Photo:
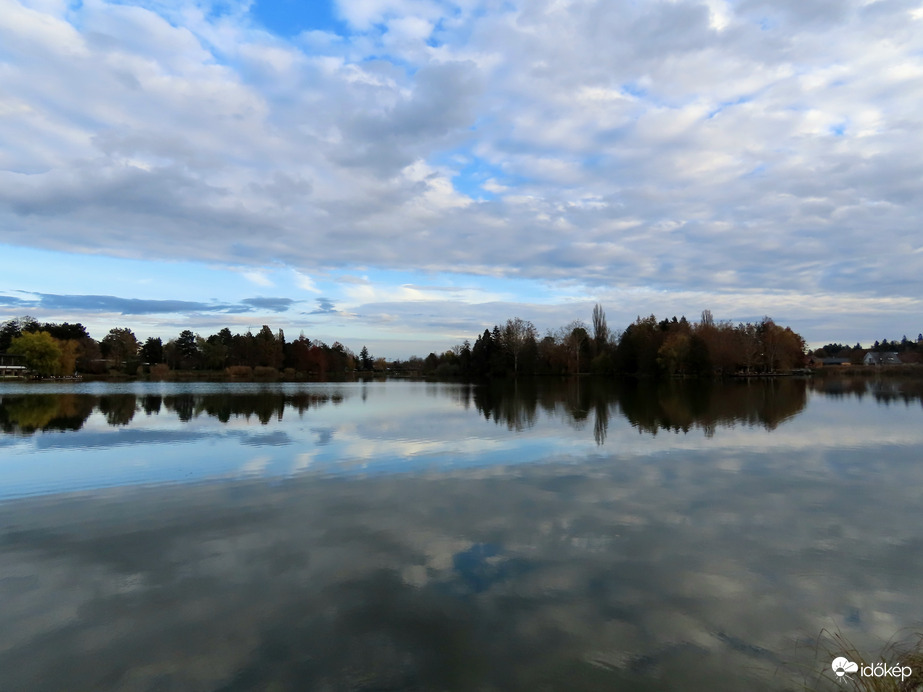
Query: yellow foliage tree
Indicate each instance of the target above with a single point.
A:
(40, 352)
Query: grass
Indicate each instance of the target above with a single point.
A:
(905, 653)
(905, 370)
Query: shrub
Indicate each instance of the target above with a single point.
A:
(262, 372)
(240, 372)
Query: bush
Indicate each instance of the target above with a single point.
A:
(240, 372)
(262, 372)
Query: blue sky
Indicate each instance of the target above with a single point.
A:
(405, 173)
(289, 18)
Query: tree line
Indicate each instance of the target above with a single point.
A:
(50, 349)
(647, 347)
(910, 351)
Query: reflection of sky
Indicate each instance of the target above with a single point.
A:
(404, 540)
(391, 428)
(690, 572)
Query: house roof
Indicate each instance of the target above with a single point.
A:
(882, 358)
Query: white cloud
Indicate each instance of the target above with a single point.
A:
(690, 147)
(255, 466)
(305, 282)
(258, 278)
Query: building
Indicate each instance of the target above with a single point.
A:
(814, 362)
(881, 358)
(12, 366)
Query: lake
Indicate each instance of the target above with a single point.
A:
(539, 535)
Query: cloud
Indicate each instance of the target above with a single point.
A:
(713, 147)
(14, 302)
(137, 306)
(272, 304)
(324, 307)
(125, 306)
(259, 278)
(305, 282)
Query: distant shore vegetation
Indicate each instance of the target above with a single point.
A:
(648, 347)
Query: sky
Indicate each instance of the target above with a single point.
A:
(403, 174)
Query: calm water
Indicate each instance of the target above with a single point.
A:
(564, 535)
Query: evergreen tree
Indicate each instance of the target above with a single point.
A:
(16, 327)
(152, 351)
(365, 360)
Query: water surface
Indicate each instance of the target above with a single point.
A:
(570, 534)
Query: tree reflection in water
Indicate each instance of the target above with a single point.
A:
(650, 406)
(673, 405)
(28, 413)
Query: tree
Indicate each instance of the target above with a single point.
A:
(65, 331)
(298, 354)
(749, 344)
(600, 328)
(70, 352)
(575, 339)
(770, 343)
(481, 354)
(187, 349)
(40, 352)
(498, 355)
(243, 349)
(16, 327)
(213, 354)
(464, 358)
(317, 362)
(639, 345)
(365, 360)
(698, 359)
(673, 354)
(340, 359)
(270, 348)
(90, 356)
(120, 345)
(152, 351)
(781, 348)
(516, 335)
(720, 343)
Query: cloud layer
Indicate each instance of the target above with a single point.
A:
(714, 147)
(88, 304)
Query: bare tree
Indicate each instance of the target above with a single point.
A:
(750, 344)
(600, 328)
(572, 337)
(516, 334)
